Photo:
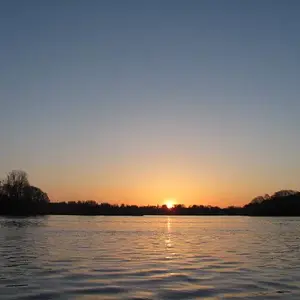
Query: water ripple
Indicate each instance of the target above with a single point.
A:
(87, 258)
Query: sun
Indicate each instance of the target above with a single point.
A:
(170, 203)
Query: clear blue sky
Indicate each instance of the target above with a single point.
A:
(139, 101)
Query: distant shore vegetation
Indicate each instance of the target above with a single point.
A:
(19, 198)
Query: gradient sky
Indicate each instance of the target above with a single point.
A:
(139, 101)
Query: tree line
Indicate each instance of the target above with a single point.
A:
(18, 197)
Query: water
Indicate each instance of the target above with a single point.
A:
(76, 257)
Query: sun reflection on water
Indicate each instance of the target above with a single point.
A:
(169, 224)
(168, 240)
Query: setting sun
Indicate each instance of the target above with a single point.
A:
(170, 203)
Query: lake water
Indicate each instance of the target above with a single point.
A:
(78, 257)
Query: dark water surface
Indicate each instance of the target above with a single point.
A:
(73, 257)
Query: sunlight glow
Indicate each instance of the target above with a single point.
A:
(170, 203)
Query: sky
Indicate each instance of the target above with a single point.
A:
(139, 101)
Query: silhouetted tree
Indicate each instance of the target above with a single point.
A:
(281, 203)
(18, 197)
(13, 186)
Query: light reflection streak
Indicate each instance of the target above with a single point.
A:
(168, 239)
